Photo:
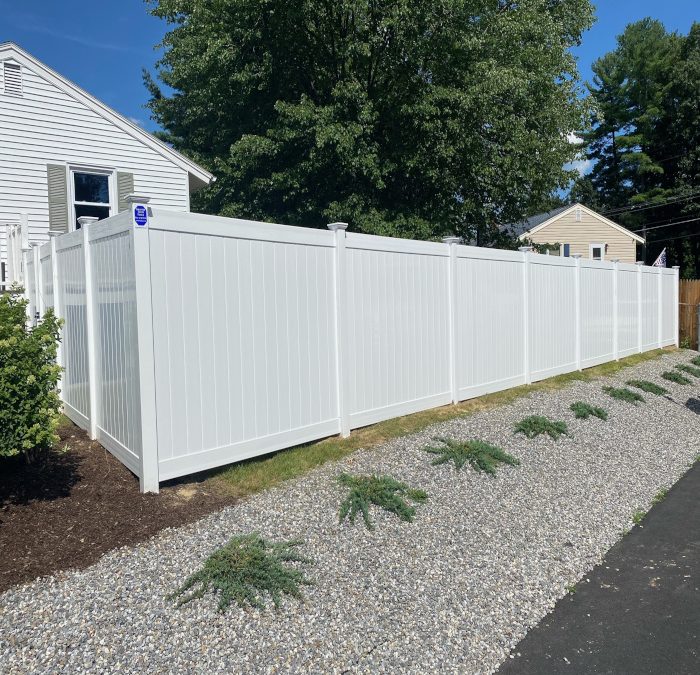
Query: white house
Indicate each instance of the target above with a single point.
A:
(64, 154)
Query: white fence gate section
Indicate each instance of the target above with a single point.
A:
(194, 341)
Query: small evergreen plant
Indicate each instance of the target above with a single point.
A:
(583, 411)
(648, 387)
(481, 456)
(534, 425)
(691, 370)
(674, 376)
(244, 570)
(624, 394)
(695, 360)
(382, 491)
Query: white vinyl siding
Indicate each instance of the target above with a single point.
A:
(47, 126)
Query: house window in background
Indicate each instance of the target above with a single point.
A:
(92, 194)
(597, 251)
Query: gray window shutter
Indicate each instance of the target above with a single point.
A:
(58, 197)
(125, 186)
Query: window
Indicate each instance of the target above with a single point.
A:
(92, 194)
(565, 250)
(597, 251)
(12, 77)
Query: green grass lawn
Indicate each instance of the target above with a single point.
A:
(259, 473)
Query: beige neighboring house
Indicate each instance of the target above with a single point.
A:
(578, 229)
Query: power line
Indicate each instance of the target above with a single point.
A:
(641, 207)
(683, 236)
(668, 224)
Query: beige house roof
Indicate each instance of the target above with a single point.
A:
(559, 214)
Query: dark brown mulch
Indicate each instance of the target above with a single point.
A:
(81, 503)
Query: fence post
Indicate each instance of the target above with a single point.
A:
(526, 251)
(341, 350)
(616, 317)
(659, 313)
(149, 479)
(57, 309)
(676, 305)
(639, 265)
(38, 295)
(577, 306)
(91, 327)
(452, 285)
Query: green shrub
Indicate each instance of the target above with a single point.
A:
(673, 376)
(244, 570)
(583, 411)
(534, 425)
(695, 372)
(695, 360)
(29, 402)
(481, 456)
(649, 387)
(624, 394)
(382, 491)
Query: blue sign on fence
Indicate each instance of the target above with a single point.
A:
(140, 215)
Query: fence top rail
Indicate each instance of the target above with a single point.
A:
(45, 251)
(552, 260)
(69, 240)
(110, 226)
(481, 253)
(597, 264)
(370, 242)
(236, 228)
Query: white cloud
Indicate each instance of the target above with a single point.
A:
(583, 166)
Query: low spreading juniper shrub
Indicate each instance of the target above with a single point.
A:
(481, 456)
(648, 387)
(673, 376)
(624, 394)
(695, 360)
(691, 370)
(244, 570)
(583, 411)
(534, 425)
(382, 491)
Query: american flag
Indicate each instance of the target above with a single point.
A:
(661, 260)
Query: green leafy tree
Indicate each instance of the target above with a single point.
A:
(29, 402)
(404, 117)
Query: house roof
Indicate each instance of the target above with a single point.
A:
(542, 220)
(10, 49)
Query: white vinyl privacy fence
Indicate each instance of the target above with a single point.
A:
(193, 341)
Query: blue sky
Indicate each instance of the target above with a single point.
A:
(102, 45)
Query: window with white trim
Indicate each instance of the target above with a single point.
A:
(91, 194)
(597, 251)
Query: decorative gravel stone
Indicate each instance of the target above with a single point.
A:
(485, 559)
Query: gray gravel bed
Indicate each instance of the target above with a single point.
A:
(485, 559)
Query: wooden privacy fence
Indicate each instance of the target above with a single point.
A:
(689, 296)
(193, 341)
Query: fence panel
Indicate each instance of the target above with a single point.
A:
(627, 310)
(597, 303)
(72, 300)
(650, 308)
(397, 305)
(46, 262)
(669, 307)
(245, 340)
(490, 320)
(552, 315)
(118, 416)
(30, 285)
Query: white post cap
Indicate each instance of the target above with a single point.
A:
(452, 240)
(675, 267)
(136, 199)
(525, 249)
(639, 262)
(576, 255)
(87, 220)
(615, 260)
(334, 227)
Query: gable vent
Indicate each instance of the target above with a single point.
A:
(12, 75)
